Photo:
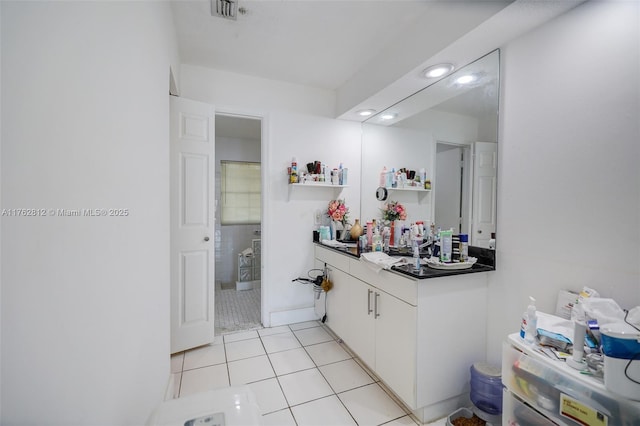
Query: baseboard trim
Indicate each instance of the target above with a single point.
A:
(292, 316)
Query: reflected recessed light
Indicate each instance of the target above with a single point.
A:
(439, 70)
(388, 116)
(366, 112)
(466, 79)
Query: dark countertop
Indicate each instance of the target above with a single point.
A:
(483, 255)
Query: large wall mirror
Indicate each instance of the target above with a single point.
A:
(450, 130)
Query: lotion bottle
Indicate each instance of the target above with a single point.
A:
(383, 177)
(446, 248)
(377, 241)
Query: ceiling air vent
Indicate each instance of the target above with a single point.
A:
(227, 9)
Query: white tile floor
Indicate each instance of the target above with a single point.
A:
(236, 310)
(300, 375)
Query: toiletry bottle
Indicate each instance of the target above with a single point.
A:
(386, 238)
(377, 241)
(383, 177)
(416, 257)
(531, 329)
(340, 177)
(416, 238)
(369, 233)
(464, 247)
(445, 246)
(294, 170)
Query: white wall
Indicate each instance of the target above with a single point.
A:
(569, 181)
(295, 125)
(287, 253)
(85, 300)
(230, 91)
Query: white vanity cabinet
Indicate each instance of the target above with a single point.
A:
(395, 348)
(383, 335)
(416, 335)
(338, 303)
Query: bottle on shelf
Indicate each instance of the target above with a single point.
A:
(293, 178)
(383, 177)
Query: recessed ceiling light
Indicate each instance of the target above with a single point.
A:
(466, 79)
(366, 112)
(388, 116)
(438, 70)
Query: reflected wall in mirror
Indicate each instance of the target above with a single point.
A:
(449, 129)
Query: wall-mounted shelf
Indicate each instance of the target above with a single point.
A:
(321, 185)
(314, 185)
(409, 188)
(422, 193)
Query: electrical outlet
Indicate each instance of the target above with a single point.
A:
(317, 218)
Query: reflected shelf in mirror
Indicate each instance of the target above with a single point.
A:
(464, 116)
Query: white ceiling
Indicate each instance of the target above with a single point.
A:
(369, 51)
(315, 43)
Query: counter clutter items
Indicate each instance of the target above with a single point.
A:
(541, 390)
(378, 260)
(317, 173)
(598, 385)
(404, 178)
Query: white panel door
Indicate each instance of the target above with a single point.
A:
(192, 223)
(485, 170)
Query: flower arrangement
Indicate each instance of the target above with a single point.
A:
(393, 210)
(338, 211)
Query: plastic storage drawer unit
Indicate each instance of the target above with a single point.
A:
(560, 393)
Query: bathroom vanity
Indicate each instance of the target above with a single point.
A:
(419, 334)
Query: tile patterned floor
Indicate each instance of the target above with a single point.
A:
(236, 310)
(300, 374)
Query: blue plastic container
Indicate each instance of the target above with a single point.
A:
(486, 387)
(620, 341)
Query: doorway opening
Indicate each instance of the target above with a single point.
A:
(238, 227)
(452, 190)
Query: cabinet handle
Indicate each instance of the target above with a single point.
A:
(369, 291)
(375, 306)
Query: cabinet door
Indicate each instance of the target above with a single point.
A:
(362, 320)
(338, 303)
(395, 346)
